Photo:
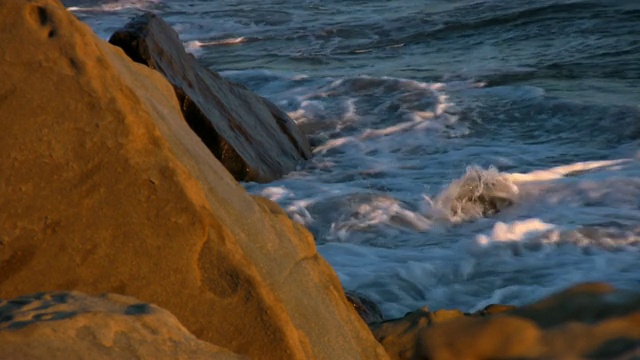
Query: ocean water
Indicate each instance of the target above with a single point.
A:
(465, 152)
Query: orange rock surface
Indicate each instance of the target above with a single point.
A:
(105, 188)
(585, 321)
(75, 326)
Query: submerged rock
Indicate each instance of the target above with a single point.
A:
(250, 136)
(72, 325)
(105, 188)
(585, 321)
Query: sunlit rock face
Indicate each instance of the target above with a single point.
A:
(105, 188)
(69, 325)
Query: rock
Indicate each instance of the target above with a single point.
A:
(105, 189)
(368, 310)
(585, 321)
(400, 336)
(72, 325)
(479, 338)
(591, 302)
(252, 138)
(494, 309)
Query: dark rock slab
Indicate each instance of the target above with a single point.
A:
(250, 136)
(368, 310)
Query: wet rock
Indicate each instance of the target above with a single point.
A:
(368, 310)
(105, 189)
(72, 325)
(250, 136)
(585, 321)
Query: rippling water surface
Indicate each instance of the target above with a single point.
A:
(466, 152)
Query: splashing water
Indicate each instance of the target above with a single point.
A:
(479, 193)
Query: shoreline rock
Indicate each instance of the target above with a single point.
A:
(250, 136)
(105, 188)
(72, 325)
(585, 321)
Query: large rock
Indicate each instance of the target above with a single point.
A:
(252, 138)
(105, 188)
(72, 325)
(585, 321)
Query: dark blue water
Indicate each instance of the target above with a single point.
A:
(466, 152)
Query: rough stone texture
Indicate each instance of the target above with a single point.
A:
(585, 321)
(72, 325)
(105, 188)
(252, 138)
(400, 336)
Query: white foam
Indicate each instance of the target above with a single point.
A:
(334, 143)
(515, 231)
(562, 171)
(197, 45)
(379, 210)
(276, 193)
(118, 5)
(299, 212)
(390, 130)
